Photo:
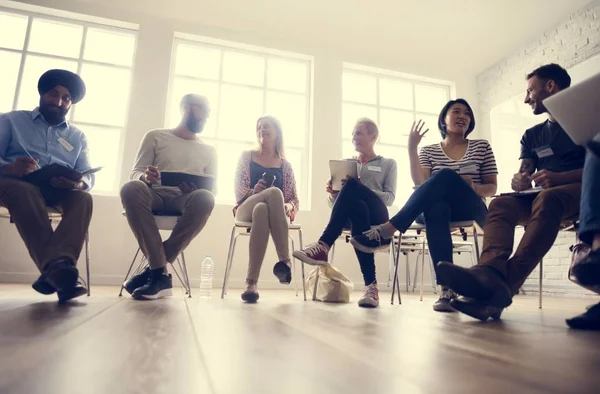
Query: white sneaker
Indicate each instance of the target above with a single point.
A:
(371, 297)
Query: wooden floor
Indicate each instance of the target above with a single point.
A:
(285, 345)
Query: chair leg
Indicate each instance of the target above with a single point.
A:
(541, 277)
(87, 263)
(414, 285)
(294, 266)
(407, 270)
(180, 277)
(422, 272)
(433, 275)
(396, 281)
(229, 257)
(185, 274)
(129, 271)
(476, 243)
(302, 265)
(390, 264)
(314, 296)
(332, 253)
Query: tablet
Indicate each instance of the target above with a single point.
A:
(576, 109)
(43, 176)
(341, 169)
(174, 179)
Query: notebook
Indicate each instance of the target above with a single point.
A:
(342, 169)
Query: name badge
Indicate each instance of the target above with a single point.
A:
(466, 168)
(374, 168)
(65, 144)
(544, 151)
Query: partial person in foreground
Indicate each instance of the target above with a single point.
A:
(172, 150)
(453, 178)
(265, 190)
(551, 160)
(360, 204)
(587, 272)
(34, 139)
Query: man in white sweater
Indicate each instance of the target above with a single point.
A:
(172, 150)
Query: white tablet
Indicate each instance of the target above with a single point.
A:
(341, 169)
(576, 109)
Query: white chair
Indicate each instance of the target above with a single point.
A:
(55, 216)
(244, 228)
(165, 223)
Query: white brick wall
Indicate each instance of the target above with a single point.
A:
(571, 42)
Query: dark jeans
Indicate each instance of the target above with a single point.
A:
(363, 208)
(445, 197)
(589, 216)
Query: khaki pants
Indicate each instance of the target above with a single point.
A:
(542, 216)
(28, 210)
(266, 212)
(140, 202)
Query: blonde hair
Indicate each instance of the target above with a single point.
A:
(371, 126)
(278, 135)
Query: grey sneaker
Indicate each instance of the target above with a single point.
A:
(371, 297)
(443, 303)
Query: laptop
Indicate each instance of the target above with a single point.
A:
(576, 109)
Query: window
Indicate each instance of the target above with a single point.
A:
(243, 83)
(32, 43)
(394, 102)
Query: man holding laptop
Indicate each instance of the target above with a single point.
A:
(32, 140)
(163, 182)
(551, 160)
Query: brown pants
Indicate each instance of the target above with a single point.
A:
(28, 210)
(141, 202)
(542, 215)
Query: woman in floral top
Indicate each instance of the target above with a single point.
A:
(265, 190)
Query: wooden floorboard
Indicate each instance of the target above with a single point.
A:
(106, 344)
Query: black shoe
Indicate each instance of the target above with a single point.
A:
(283, 272)
(61, 274)
(77, 291)
(587, 271)
(159, 285)
(370, 241)
(250, 296)
(590, 320)
(476, 309)
(443, 303)
(481, 283)
(137, 281)
(42, 286)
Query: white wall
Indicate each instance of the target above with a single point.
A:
(575, 44)
(112, 244)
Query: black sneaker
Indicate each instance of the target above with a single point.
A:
(283, 272)
(250, 296)
(370, 241)
(590, 320)
(443, 303)
(159, 285)
(137, 281)
(76, 291)
(61, 274)
(42, 286)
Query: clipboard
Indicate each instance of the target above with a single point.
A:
(43, 176)
(174, 179)
(341, 169)
(528, 192)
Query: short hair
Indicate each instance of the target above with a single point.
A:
(444, 111)
(195, 99)
(553, 72)
(370, 125)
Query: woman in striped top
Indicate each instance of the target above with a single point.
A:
(453, 178)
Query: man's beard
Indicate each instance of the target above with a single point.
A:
(194, 125)
(53, 113)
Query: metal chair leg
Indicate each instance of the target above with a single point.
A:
(229, 256)
(302, 265)
(180, 277)
(433, 275)
(128, 272)
(294, 266)
(230, 263)
(396, 280)
(476, 243)
(541, 277)
(414, 285)
(314, 296)
(87, 263)
(407, 270)
(185, 274)
(332, 253)
(422, 272)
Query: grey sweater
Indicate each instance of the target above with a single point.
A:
(378, 174)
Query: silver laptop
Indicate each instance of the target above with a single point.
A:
(577, 109)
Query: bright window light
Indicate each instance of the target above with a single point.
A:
(32, 43)
(394, 103)
(243, 84)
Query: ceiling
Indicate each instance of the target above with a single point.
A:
(465, 35)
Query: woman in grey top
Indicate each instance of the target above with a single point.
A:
(360, 204)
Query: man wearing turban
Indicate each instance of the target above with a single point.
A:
(30, 140)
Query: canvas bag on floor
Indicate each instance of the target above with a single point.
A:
(332, 286)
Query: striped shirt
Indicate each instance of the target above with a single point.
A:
(477, 162)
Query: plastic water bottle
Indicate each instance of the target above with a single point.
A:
(206, 275)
